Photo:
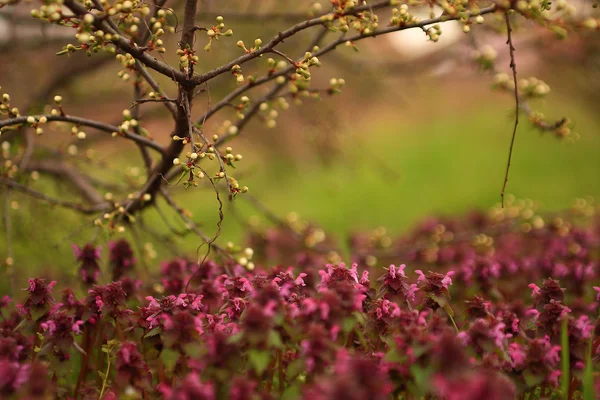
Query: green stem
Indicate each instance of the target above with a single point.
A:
(105, 380)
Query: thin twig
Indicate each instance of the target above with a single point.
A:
(513, 66)
(51, 200)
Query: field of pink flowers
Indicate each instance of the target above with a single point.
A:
(488, 306)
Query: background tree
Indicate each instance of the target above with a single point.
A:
(268, 74)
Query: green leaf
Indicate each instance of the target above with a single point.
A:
(348, 324)
(259, 359)
(564, 357)
(291, 393)
(169, 358)
(531, 379)
(421, 379)
(275, 339)
(294, 369)
(235, 338)
(589, 392)
(37, 313)
(153, 332)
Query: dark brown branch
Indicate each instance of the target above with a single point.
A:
(183, 125)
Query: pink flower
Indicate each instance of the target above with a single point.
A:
(535, 289)
(447, 281)
(597, 289)
(76, 327)
(517, 355)
(554, 377)
(552, 357)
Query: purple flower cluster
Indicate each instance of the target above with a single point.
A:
(486, 317)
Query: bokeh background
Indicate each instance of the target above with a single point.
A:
(417, 131)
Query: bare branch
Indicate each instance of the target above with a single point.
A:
(56, 202)
(79, 181)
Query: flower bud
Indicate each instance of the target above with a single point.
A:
(176, 161)
(88, 19)
(58, 99)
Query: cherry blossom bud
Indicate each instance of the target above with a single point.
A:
(176, 161)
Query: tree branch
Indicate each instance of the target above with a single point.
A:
(86, 122)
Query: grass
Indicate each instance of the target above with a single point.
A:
(441, 165)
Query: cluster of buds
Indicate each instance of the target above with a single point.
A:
(275, 66)
(79, 134)
(503, 81)
(128, 122)
(401, 16)
(335, 85)
(242, 256)
(128, 62)
(236, 70)
(35, 123)
(215, 31)
(5, 107)
(242, 45)
(485, 57)
(434, 33)
(533, 87)
(159, 24)
(52, 12)
(270, 114)
(365, 23)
